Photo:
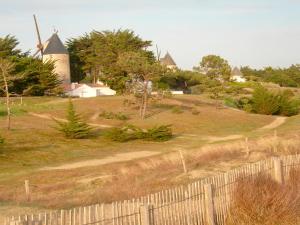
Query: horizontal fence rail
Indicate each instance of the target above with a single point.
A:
(203, 202)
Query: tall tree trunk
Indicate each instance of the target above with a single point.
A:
(7, 100)
(145, 99)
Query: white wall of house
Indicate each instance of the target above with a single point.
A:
(105, 91)
(239, 79)
(85, 91)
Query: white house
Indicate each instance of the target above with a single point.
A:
(88, 90)
(237, 76)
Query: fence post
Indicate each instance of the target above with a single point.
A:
(27, 190)
(278, 175)
(182, 161)
(209, 203)
(145, 214)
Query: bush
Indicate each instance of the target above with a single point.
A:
(130, 132)
(230, 102)
(159, 133)
(74, 128)
(268, 103)
(265, 102)
(111, 115)
(262, 201)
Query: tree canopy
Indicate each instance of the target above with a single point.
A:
(286, 77)
(95, 56)
(30, 76)
(215, 67)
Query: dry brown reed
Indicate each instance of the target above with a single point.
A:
(263, 201)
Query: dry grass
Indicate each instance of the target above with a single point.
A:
(262, 201)
(24, 154)
(126, 180)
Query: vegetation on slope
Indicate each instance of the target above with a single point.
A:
(130, 132)
(263, 201)
(74, 128)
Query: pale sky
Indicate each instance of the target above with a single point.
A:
(257, 33)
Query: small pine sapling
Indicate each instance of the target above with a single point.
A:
(74, 128)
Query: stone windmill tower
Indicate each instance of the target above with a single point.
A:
(54, 50)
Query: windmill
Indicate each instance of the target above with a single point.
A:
(53, 50)
(40, 47)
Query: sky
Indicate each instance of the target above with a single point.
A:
(256, 33)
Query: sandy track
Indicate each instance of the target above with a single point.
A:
(122, 157)
(49, 117)
(276, 123)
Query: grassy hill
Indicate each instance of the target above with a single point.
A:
(211, 138)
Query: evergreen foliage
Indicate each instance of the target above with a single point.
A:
(30, 75)
(74, 128)
(95, 55)
(269, 103)
(111, 115)
(285, 77)
(215, 67)
(130, 132)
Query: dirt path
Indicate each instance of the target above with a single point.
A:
(95, 116)
(49, 117)
(122, 157)
(276, 123)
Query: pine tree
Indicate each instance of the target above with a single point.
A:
(74, 128)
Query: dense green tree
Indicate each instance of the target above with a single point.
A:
(8, 47)
(95, 56)
(215, 67)
(30, 75)
(74, 128)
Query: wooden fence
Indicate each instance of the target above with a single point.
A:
(203, 202)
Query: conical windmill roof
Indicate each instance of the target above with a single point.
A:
(54, 46)
(168, 60)
(236, 72)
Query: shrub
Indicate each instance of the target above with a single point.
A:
(111, 115)
(262, 201)
(230, 102)
(266, 102)
(74, 128)
(159, 133)
(130, 132)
